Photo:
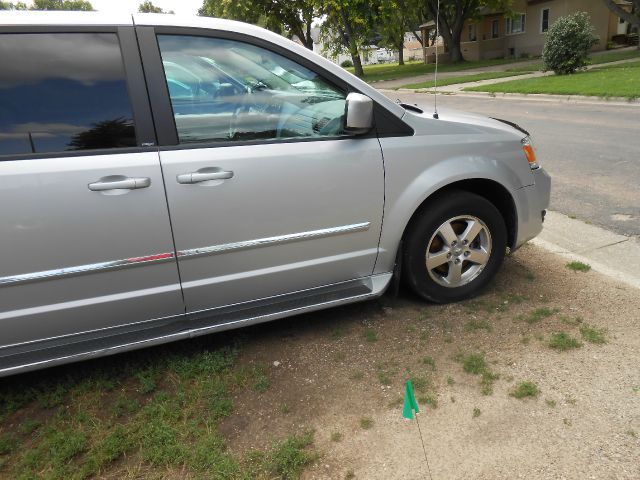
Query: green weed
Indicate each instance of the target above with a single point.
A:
(29, 426)
(366, 423)
(562, 341)
(539, 314)
(525, 389)
(7, 443)
(429, 361)
(370, 335)
(571, 321)
(428, 399)
(474, 325)
(474, 363)
(593, 334)
(261, 380)
(289, 457)
(578, 266)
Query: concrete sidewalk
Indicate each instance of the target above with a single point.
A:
(617, 256)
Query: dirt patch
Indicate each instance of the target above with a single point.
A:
(330, 370)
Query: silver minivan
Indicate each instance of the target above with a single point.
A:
(165, 177)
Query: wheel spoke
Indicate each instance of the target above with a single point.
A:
(479, 256)
(455, 273)
(447, 234)
(472, 231)
(436, 259)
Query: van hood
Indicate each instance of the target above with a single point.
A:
(471, 119)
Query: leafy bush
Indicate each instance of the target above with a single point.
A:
(346, 64)
(568, 42)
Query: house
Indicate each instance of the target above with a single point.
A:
(497, 35)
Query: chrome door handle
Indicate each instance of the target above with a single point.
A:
(198, 177)
(119, 183)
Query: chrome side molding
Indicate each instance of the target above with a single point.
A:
(269, 241)
(85, 269)
(170, 256)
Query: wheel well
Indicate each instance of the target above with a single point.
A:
(492, 191)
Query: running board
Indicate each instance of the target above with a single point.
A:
(46, 353)
(278, 307)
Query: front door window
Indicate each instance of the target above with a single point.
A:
(225, 90)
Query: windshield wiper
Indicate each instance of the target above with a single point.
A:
(413, 108)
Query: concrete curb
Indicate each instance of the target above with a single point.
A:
(611, 254)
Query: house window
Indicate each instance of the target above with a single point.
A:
(495, 28)
(472, 33)
(544, 20)
(516, 24)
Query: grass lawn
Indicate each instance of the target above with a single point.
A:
(608, 81)
(393, 71)
(606, 57)
(466, 78)
(614, 56)
(148, 414)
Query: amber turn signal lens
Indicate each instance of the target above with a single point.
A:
(531, 155)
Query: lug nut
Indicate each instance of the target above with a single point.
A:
(457, 260)
(448, 255)
(466, 254)
(465, 242)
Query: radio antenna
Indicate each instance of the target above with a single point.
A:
(435, 78)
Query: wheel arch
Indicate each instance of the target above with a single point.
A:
(491, 190)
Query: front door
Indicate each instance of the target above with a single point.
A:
(85, 244)
(266, 193)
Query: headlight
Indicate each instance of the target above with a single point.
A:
(527, 147)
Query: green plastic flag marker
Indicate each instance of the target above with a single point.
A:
(410, 403)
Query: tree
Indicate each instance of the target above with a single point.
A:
(12, 6)
(568, 42)
(394, 18)
(348, 24)
(61, 5)
(453, 14)
(632, 17)
(116, 133)
(148, 7)
(286, 17)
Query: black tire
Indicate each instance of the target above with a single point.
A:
(424, 226)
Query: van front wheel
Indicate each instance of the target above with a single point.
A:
(454, 247)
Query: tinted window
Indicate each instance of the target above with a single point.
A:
(224, 90)
(63, 92)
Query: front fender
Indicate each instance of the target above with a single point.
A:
(417, 167)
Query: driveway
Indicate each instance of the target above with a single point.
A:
(590, 150)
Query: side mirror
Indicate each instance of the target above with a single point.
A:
(359, 114)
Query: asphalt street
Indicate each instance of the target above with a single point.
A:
(591, 149)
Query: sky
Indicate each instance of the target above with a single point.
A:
(181, 7)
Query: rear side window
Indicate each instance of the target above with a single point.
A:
(62, 92)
